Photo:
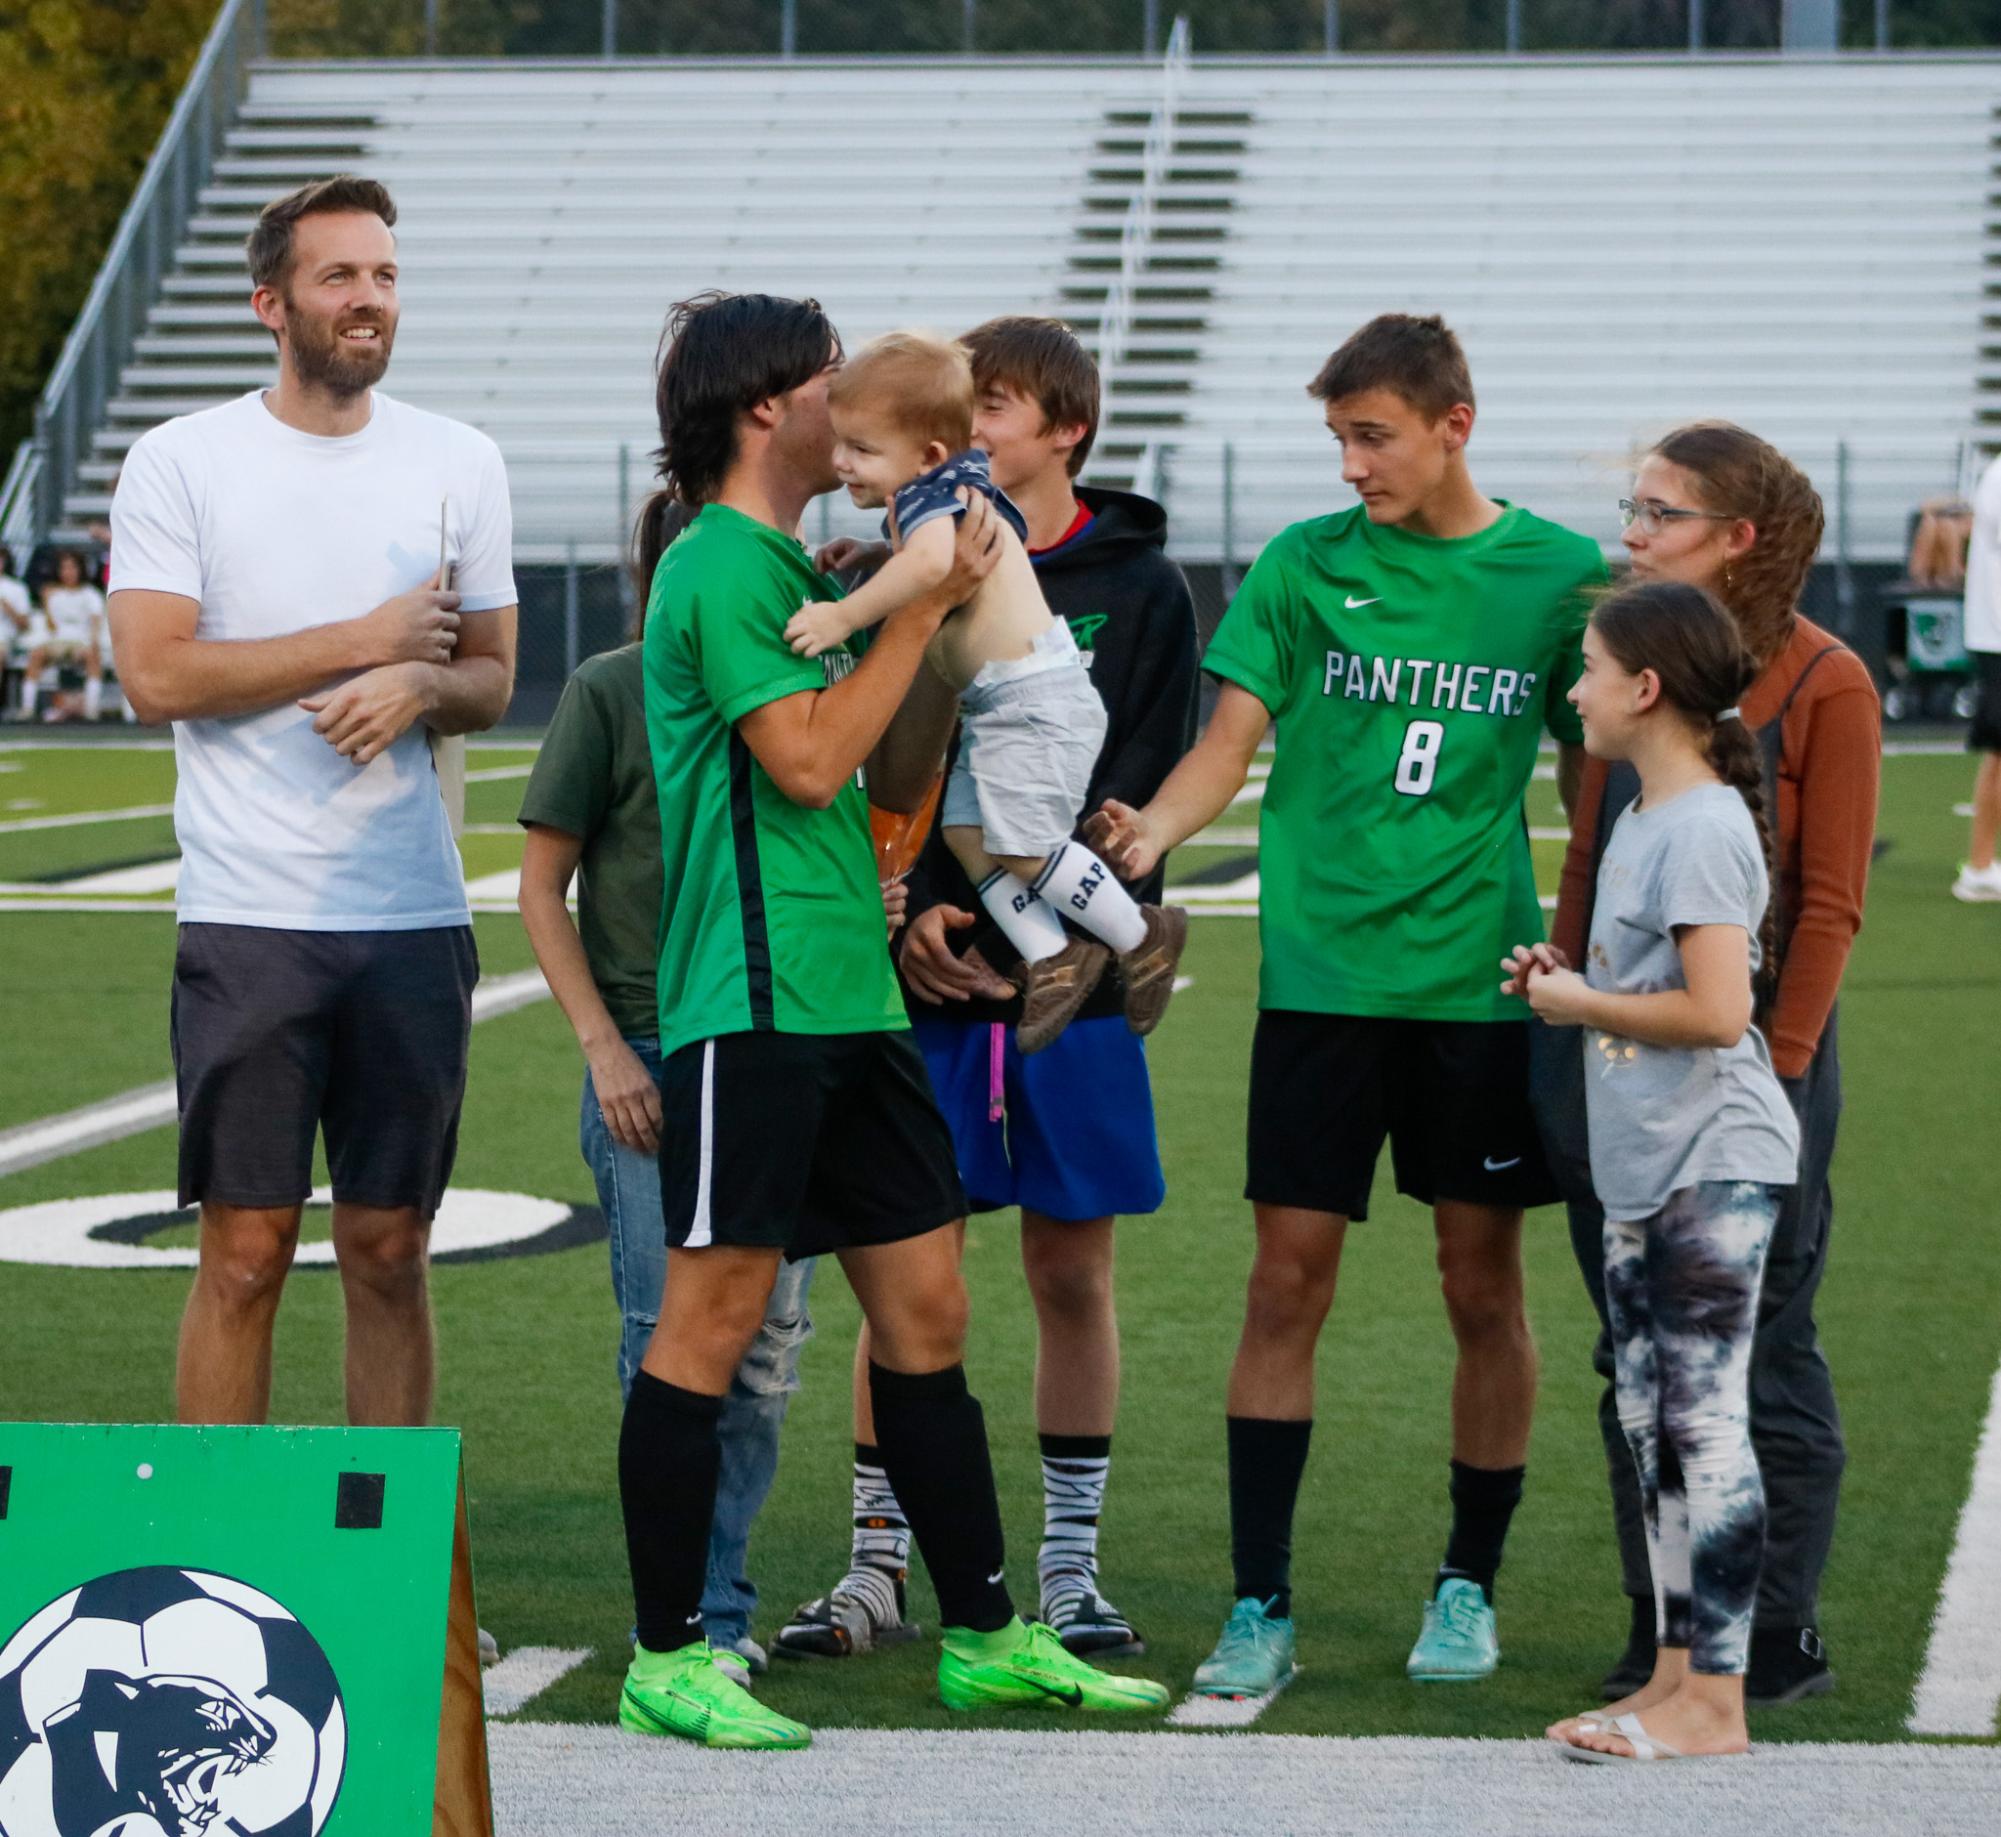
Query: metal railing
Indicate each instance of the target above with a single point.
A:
(1136, 232)
(106, 330)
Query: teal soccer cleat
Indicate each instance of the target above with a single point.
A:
(1459, 1643)
(1252, 1659)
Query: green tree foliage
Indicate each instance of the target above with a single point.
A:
(85, 88)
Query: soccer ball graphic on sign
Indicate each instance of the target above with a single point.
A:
(167, 1703)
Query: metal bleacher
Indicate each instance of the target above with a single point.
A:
(1622, 243)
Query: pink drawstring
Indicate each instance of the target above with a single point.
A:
(996, 1060)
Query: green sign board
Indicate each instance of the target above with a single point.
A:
(236, 1632)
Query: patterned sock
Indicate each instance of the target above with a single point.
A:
(1074, 1468)
(882, 1533)
(1024, 918)
(1087, 893)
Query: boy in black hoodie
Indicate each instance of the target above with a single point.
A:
(1067, 1134)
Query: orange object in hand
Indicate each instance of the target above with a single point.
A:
(900, 837)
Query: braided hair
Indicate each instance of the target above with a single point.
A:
(1691, 643)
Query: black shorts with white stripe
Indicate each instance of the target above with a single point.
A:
(804, 1143)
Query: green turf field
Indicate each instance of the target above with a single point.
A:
(1912, 1312)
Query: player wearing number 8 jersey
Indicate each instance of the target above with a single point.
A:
(1412, 651)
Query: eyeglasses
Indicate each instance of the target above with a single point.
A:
(1653, 516)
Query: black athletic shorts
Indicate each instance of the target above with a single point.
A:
(278, 1034)
(804, 1143)
(1451, 1096)
(1984, 736)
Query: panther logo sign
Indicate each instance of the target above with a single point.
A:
(166, 1702)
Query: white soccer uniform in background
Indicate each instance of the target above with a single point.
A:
(274, 531)
(1981, 621)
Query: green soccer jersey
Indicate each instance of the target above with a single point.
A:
(772, 916)
(1411, 679)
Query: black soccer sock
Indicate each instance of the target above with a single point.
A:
(669, 1455)
(1267, 1459)
(933, 1438)
(1483, 1501)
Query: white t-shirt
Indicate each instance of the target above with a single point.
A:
(275, 531)
(1981, 621)
(15, 608)
(75, 614)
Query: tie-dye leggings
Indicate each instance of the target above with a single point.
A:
(1681, 1288)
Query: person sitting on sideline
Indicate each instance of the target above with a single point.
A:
(1691, 1137)
(274, 597)
(1031, 724)
(72, 632)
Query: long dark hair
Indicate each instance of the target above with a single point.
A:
(1691, 642)
(1739, 475)
(720, 354)
(661, 518)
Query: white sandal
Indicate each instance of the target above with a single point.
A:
(1645, 1746)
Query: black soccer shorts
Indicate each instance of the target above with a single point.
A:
(1451, 1097)
(805, 1143)
(1984, 736)
(278, 1034)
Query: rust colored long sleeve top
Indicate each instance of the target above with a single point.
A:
(1828, 777)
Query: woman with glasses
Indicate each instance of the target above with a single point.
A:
(1718, 508)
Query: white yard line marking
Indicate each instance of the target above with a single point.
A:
(505, 886)
(492, 774)
(1252, 793)
(1959, 1689)
(1922, 749)
(1554, 833)
(1223, 892)
(152, 1105)
(573, 1780)
(148, 877)
(491, 829)
(1195, 1712)
(525, 1673)
(77, 819)
(54, 745)
(1223, 838)
(1962, 809)
(22, 904)
(1182, 982)
(130, 1113)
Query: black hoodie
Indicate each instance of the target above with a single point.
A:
(1130, 612)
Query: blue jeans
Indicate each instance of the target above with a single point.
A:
(628, 1184)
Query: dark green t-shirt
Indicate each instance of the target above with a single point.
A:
(593, 779)
(773, 915)
(1411, 678)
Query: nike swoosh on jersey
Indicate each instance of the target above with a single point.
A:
(1353, 602)
(1496, 1167)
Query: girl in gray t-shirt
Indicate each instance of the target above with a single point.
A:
(1691, 1138)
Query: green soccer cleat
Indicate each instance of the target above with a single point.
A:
(985, 1671)
(1252, 1659)
(687, 1693)
(1459, 1643)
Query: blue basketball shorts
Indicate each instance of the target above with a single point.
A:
(1067, 1132)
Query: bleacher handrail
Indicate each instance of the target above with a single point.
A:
(1136, 232)
(141, 253)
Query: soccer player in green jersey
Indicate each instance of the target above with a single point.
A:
(1411, 650)
(797, 1116)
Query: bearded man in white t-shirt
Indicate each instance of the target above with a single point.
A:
(275, 594)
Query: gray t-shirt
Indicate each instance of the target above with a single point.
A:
(1664, 1118)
